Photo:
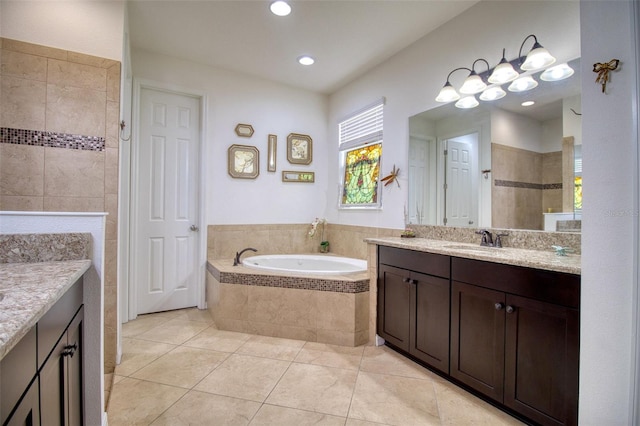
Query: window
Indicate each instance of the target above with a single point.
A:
(360, 138)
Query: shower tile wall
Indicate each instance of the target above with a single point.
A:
(59, 115)
(525, 184)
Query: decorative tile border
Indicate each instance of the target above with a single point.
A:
(285, 281)
(51, 139)
(527, 185)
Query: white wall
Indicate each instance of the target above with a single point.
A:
(572, 123)
(92, 27)
(552, 135)
(411, 80)
(270, 108)
(609, 216)
(516, 130)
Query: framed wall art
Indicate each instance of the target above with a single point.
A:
(244, 130)
(271, 153)
(299, 149)
(244, 162)
(290, 176)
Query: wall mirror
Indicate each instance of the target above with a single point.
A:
(501, 164)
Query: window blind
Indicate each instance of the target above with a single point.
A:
(362, 127)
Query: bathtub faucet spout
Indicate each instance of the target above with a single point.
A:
(236, 261)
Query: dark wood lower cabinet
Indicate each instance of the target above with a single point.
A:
(27, 412)
(510, 333)
(61, 378)
(541, 361)
(477, 338)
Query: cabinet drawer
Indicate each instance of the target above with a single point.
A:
(56, 320)
(548, 286)
(426, 263)
(17, 369)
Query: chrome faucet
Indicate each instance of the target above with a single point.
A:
(487, 238)
(236, 261)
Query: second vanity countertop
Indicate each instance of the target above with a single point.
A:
(537, 259)
(28, 291)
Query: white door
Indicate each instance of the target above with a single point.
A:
(165, 253)
(418, 179)
(460, 193)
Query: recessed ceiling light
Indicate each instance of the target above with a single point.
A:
(280, 8)
(306, 60)
(527, 103)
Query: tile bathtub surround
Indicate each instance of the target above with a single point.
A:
(293, 313)
(58, 94)
(223, 377)
(223, 241)
(521, 239)
(33, 248)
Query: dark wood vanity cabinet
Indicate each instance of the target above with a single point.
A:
(413, 304)
(42, 375)
(508, 332)
(515, 337)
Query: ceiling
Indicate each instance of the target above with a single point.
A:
(346, 37)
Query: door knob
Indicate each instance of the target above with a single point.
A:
(510, 309)
(194, 228)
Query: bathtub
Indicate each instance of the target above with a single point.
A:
(306, 264)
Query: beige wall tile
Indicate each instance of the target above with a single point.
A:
(336, 311)
(233, 302)
(279, 330)
(110, 263)
(73, 173)
(111, 171)
(20, 203)
(23, 103)
(94, 61)
(336, 337)
(34, 49)
(112, 119)
(22, 65)
(73, 204)
(69, 74)
(75, 110)
(21, 170)
(113, 83)
(111, 207)
(283, 306)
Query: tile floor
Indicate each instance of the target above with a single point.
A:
(178, 369)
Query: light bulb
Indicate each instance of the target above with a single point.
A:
(493, 94)
(467, 102)
(473, 84)
(557, 73)
(447, 94)
(523, 84)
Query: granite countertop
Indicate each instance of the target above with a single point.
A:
(538, 259)
(28, 291)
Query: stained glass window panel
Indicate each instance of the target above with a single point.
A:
(362, 169)
(577, 189)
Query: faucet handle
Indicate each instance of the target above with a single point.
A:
(498, 241)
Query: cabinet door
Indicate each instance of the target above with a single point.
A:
(73, 367)
(52, 385)
(477, 338)
(541, 364)
(394, 303)
(27, 412)
(430, 321)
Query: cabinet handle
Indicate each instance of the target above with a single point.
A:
(499, 306)
(70, 350)
(406, 280)
(510, 309)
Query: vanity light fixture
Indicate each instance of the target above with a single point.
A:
(557, 73)
(523, 84)
(489, 82)
(467, 102)
(306, 60)
(503, 72)
(493, 93)
(280, 8)
(537, 58)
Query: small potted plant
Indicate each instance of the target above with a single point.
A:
(324, 245)
(408, 233)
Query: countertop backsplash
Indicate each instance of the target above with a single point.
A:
(517, 238)
(34, 248)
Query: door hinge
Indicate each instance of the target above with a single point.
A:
(445, 220)
(446, 152)
(445, 186)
